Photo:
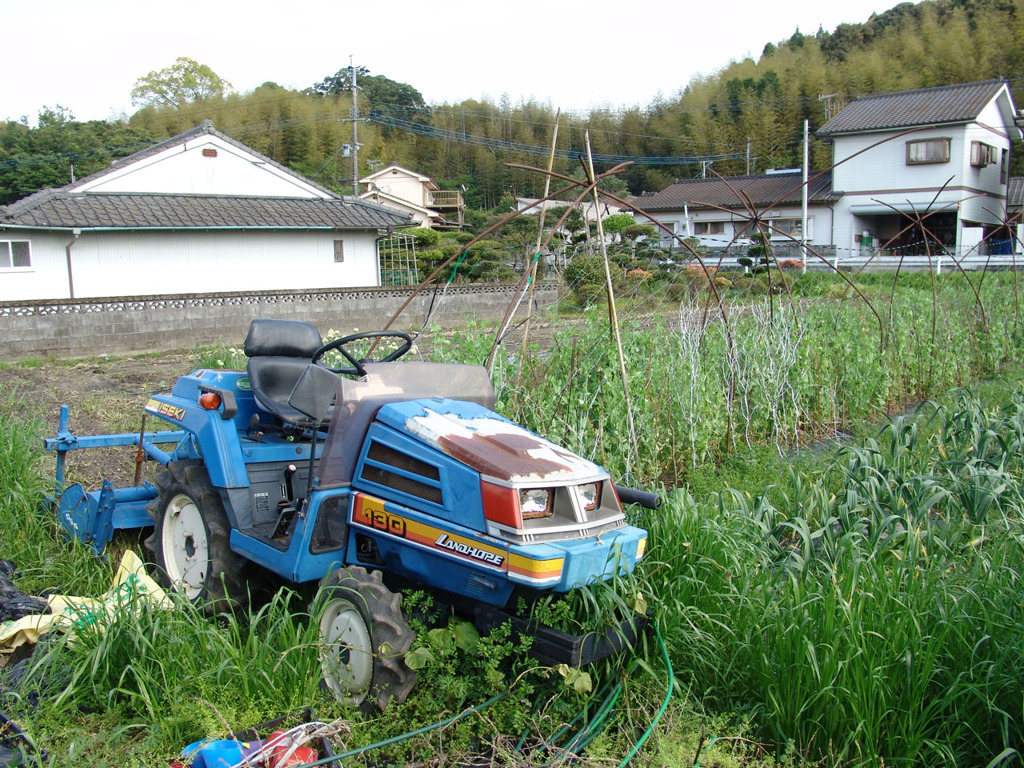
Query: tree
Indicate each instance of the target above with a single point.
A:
(386, 98)
(635, 231)
(614, 224)
(59, 150)
(184, 82)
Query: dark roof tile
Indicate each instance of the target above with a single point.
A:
(64, 210)
(959, 103)
(733, 192)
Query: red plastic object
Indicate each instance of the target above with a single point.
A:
(301, 756)
(281, 745)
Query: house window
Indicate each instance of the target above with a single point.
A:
(784, 227)
(709, 227)
(339, 251)
(15, 254)
(787, 229)
(925, 151)
(1004, 166)
(982, 154)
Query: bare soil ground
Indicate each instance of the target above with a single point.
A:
(103, 394)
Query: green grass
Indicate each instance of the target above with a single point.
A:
(823, 602)
(879, 622)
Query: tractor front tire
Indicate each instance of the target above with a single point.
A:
(190, 539)
(364, 638)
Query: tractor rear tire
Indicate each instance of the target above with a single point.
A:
(364, 638)
(190, 539)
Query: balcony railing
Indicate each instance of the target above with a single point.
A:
(445, 198)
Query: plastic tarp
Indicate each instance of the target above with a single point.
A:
(131, 584)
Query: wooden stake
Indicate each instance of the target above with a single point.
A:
(613, 317)
(533, 276)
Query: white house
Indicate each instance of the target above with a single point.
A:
(197, 213)
(724, 211)
(938, 153)
(590, 210)
(415, 194)
(941, 151)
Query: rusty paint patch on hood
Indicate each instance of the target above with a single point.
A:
(500, 449)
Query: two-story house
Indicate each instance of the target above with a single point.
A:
(417, 195)
(942, 153)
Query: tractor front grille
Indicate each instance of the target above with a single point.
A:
(393, 469)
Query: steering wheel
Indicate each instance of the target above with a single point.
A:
(357, 368)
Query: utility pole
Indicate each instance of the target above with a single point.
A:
(827, 98)
(803, 219)
(748, 157)
(355, 132)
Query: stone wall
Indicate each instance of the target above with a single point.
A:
(127, 325)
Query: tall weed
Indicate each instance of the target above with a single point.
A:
(881, 622)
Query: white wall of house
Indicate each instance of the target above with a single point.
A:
(400, 183)
(880, 181)
(46, 277)
(207, 165)
(144, 263)
(717, 229)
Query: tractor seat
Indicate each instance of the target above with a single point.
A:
(279, 352)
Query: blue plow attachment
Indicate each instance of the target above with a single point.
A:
(94, 516)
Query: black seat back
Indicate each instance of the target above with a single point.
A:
(278, 352)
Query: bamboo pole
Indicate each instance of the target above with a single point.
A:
(533, 275)
(613, 317)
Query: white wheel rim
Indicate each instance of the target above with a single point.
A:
(347, 652)
(185, 548)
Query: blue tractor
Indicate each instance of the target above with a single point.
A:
(317, 464)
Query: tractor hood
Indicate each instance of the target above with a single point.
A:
(492, 445)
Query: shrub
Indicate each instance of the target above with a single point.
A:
(424, 237)
(585, 277)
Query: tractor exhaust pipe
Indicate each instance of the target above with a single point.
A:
(633, 496)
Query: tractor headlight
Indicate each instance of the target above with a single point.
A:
(535, 503)
(590, 496)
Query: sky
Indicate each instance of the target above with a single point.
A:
(85, 55)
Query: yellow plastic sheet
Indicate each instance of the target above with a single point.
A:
(131, 586)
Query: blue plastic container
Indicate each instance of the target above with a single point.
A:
(223, 753)
(193, 753)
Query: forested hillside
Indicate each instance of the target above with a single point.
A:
(747, 117)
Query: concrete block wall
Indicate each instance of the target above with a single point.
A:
(129, 325)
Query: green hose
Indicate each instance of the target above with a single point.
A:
(664, 704)
(474, 710)
(576, 744)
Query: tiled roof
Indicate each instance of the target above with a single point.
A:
(734, 191)
(63, 209)
(905, 109)
(205, 128)
(66, 207)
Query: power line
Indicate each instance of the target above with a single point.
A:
(530, 149)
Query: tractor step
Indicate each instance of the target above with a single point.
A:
(551, 646)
